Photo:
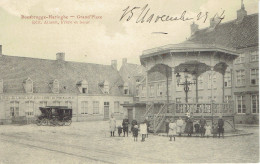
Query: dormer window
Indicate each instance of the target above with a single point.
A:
(1, 85)
(83, 86)
(28, 85)
(126, 89)
(106, 87)
(55, 86)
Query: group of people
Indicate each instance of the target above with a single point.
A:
(173, 127)
(143, 128)
(201, 127)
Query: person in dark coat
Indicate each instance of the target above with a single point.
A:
(133, 123)
(135, 132)
(197, 128)
(147, 122)
(220, 127)
(202, 126)
(167, 122)
(119, 130)
(189, 126)
(215, 130)
(125, 126)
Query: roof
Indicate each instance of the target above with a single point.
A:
(232, 34)
(14, 70)
(134, 70)
(187, 46)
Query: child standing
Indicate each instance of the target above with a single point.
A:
(119, 129)
(208, 130)
(143, 130)
(135, 132)
(172, 129)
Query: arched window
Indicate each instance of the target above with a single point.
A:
(126, 88)
(106, 87)
(55, 86)
(83, 86)
(28, 85)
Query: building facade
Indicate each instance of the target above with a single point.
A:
(242, 35)
(93, 91)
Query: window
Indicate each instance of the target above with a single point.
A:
(55, 87)
(178, 100)
(28, 86)
(116, 107)
(179, 88)
(96, 107)
(29, 111)
(1, 85)
(106, 87)
(151, 91)
(126, 89)
(200, 99)
(254, 56)
(68, 104)
(137, 91)
(240, 77)
(255, 103)
(227, 79)
(228, 99)
(241, 106)
(84, 107)
(43, 103)
(214, 81)
(212, 99)
(159, 90)
(200, 82)
(254, 76)
(56, 103)
(240, 59)
(14, 108)
(143, 91)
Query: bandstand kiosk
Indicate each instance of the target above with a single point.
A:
(188, 72)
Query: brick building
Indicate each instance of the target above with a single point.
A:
(93, 91)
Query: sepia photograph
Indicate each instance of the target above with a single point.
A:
(132, 81)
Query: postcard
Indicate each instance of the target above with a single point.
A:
(131, 81)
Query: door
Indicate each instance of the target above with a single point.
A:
(130, 115)
(106, 110)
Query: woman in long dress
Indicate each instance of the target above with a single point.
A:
(172, 130)
(112, 125)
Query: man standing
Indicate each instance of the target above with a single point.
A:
(202, 126)
(147, 122)
(220, 126)
(167, 122)
(125, 126)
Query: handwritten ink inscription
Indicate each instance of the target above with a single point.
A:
(145, 16)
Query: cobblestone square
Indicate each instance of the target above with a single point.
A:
(90, 142)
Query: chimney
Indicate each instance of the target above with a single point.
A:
(241, 13)
(214, 21)
(193, 28)
(60, 56)
(1, 50)
(124, 61)
(114, 64)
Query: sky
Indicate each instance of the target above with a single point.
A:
(106, 39)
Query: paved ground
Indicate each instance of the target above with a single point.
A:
(90, 142)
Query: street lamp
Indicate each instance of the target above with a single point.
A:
(186, 83)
